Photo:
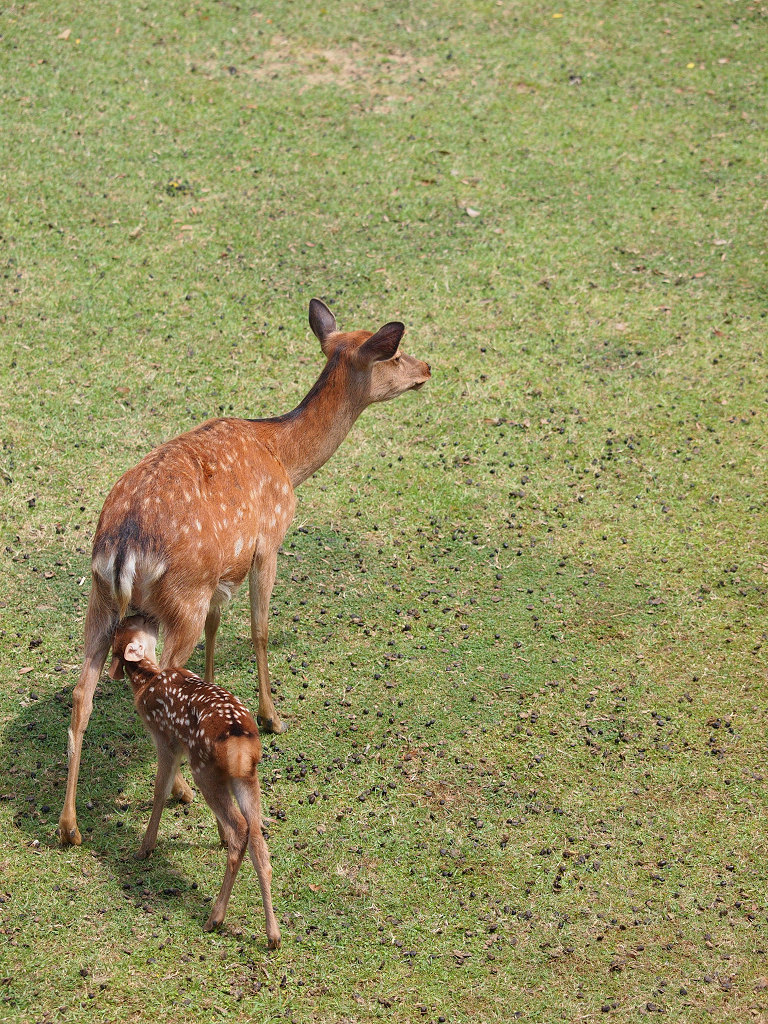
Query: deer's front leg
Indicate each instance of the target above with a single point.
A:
(260, 584)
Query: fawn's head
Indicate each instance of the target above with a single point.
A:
(135, 639)
(374, 362)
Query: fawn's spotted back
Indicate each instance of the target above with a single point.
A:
(187, 710)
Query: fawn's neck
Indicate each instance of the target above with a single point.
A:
(304, 439)
(141, 674)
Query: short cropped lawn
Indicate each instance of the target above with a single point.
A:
(519, 627)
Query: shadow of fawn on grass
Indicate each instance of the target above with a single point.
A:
(117, 749)
(33, 767)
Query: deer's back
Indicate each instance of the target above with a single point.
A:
(201, 504)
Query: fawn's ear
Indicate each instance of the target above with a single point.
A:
(321, 320)
(134, 651)
(382, 345)
(116, 669)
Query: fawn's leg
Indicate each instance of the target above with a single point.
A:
(260, 584)
(168, 759)
(248, 795)
(214, 786)
(99, 621)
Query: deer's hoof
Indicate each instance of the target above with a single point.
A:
(69, 835)
(184, 793)
(273, 725)
(274, 942)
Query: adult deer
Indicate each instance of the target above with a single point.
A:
(181, 530)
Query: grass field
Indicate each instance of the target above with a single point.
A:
(519, 628)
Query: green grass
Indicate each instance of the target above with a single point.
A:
(518, 630)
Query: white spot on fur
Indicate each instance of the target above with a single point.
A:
(238, 546)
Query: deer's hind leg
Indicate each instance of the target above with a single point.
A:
(183, 627)
(100, 620)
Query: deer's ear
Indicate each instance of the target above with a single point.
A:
(321, 320)
(134, 651)
(382, 345)
(116, 669)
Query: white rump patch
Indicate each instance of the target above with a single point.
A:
(103, 566)
(144, 568)
(148, 568)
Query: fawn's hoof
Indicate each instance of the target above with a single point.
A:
(211, 924)
(274, 943)
(141, 854)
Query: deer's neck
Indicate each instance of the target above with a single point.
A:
(307, 437)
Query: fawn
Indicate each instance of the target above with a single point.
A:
(187, 716)
(180, 531)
